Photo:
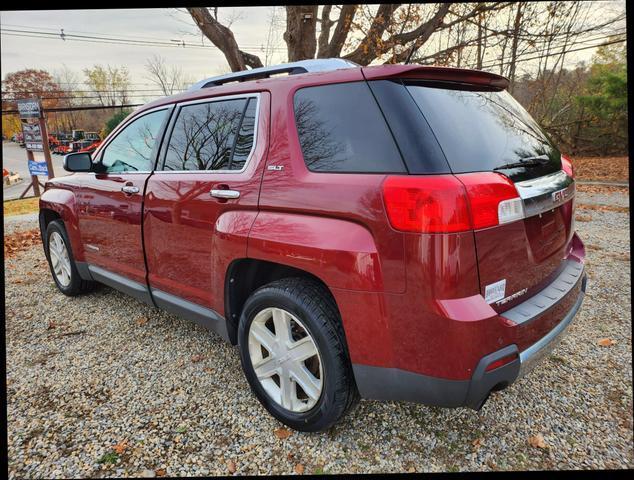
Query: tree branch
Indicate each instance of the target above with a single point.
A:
(370, 46)
(324, 33)
(346, 16)
(223, 38)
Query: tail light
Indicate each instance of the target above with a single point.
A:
(566, 166)
(493, 198)
(450, 203)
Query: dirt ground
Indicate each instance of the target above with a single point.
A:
(610, 169)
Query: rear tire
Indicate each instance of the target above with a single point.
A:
(62, 262)
(322, 385)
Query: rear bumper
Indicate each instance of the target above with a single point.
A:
(394, 384)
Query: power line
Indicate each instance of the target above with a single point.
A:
(74, 109)
(133, 90)
(117, 40)
(519, 59)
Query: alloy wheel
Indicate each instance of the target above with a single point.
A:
(59, 258)
(285, 359)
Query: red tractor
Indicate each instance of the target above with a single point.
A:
(92, 147)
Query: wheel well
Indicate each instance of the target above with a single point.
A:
(46, 217)
(246, 275)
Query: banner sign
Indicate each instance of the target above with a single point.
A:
(32, 136)
(30, 108)
(38, 168)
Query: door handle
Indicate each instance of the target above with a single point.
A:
(129, 189)
(225, 193)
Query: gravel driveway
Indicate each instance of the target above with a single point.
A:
(102, 385)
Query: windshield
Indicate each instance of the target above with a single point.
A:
(485, 130)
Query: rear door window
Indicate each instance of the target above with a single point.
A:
(214, 135)
(483, 130)
(341, 129)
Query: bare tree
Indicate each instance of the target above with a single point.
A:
(496, 36)
(169, 80)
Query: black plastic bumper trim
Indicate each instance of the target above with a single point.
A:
(380, 383)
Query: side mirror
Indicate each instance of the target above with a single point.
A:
(78, 162)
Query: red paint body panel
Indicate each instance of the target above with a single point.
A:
(537, 247)
(342, 254)
(110, 220)
(191, 237)
(62, 200)
(409, 301)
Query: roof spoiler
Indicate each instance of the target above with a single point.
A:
(303, 66)
(440, 74)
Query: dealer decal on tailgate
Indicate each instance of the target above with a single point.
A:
(495, 291)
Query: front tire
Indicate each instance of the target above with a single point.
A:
(294, 356)
(62, 263)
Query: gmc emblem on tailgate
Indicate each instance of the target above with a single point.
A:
(560, 195)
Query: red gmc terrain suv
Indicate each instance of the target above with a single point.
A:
(393, 232)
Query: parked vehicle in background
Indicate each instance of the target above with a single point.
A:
(392, 232)
(92, 146)
(92, 136)
(78, 135)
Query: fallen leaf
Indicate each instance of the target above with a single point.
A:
(231, 466)
(120, 447)
(142, 321)
(161, 472)
(197, 358)
(606, 342)
(537, 441)
(477, 443)
(208, 370)
(51, 325)
(299, 469)
(282, 433)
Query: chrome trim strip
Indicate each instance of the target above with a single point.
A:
(545, 193)
(219, 99)
(225, 193)
(531, 356)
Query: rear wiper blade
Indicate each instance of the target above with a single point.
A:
(526, 162)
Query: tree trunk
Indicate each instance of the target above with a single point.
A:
(341, 31)
(301, 28)
(324, 34)
(223, 38)
(514, 44)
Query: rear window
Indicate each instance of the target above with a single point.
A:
(341, 129)
(482, 130)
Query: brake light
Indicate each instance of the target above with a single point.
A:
(450, 203)
(430, 204)
(493, 199)
(566, 166)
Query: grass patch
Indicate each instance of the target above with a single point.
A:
(110, 457)
(19, 207)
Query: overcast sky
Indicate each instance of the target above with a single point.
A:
(251, 28)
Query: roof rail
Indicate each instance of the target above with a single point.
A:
(303, 66)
